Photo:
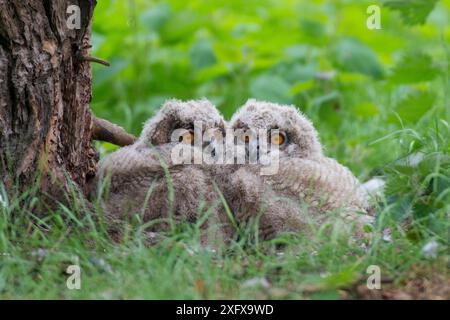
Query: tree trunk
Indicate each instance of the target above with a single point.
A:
(46, 125)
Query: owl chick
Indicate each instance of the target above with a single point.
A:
(145, 179)
(307, 183)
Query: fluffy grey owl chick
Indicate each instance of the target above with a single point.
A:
(307, 184)
(144, 178)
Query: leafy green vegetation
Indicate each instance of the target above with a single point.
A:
(379, 99)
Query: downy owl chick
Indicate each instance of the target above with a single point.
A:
(145, 179)
(306, 185)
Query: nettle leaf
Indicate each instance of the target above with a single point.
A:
(434, 161)
(437, 164)
(329, 108)
(401, 206)
(412, 11)
(202, 54)
(156, 16)
(365, 109)
(354, 56)
(299, 51)
(301, 86)
(270, 88)
(181, 26)
(243, 29)
(414, 67)
(296, 72)
(415, 105)
(208, 74)
(312, 29)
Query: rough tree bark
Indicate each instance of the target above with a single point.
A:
(46, 124)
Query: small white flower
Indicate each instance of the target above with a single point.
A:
(374, 187)
(39, 253)
(414, 159)
(430, 249)
(101, 264)
(256, 282)
(387, 235)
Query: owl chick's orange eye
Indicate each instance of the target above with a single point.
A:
(188, 137)
(277, 138)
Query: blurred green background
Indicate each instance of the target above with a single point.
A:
(357, 85)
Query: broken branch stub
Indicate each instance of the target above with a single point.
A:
(106, 131)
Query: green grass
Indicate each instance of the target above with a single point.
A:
(38, 250)
(388, 101)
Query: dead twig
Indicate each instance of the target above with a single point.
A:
(96, 60)
(110, 132)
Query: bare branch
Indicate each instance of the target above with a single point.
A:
(96, 60)
(110, 132)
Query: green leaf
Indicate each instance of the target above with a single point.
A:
(414, 67)
(330, 97)
(302, 86)
(354, 56)
(202, 54)
(351, 78)
(433, 161)
(342, 278)
(213, 72)
(243, 29)
(181, 27)
(156, 16)
(270, 88)
(366, 110)
(401, 207)
(298, 51)
(312, 29)
(412, 11)
(329, 108)
(297, 72)
(415, 105)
